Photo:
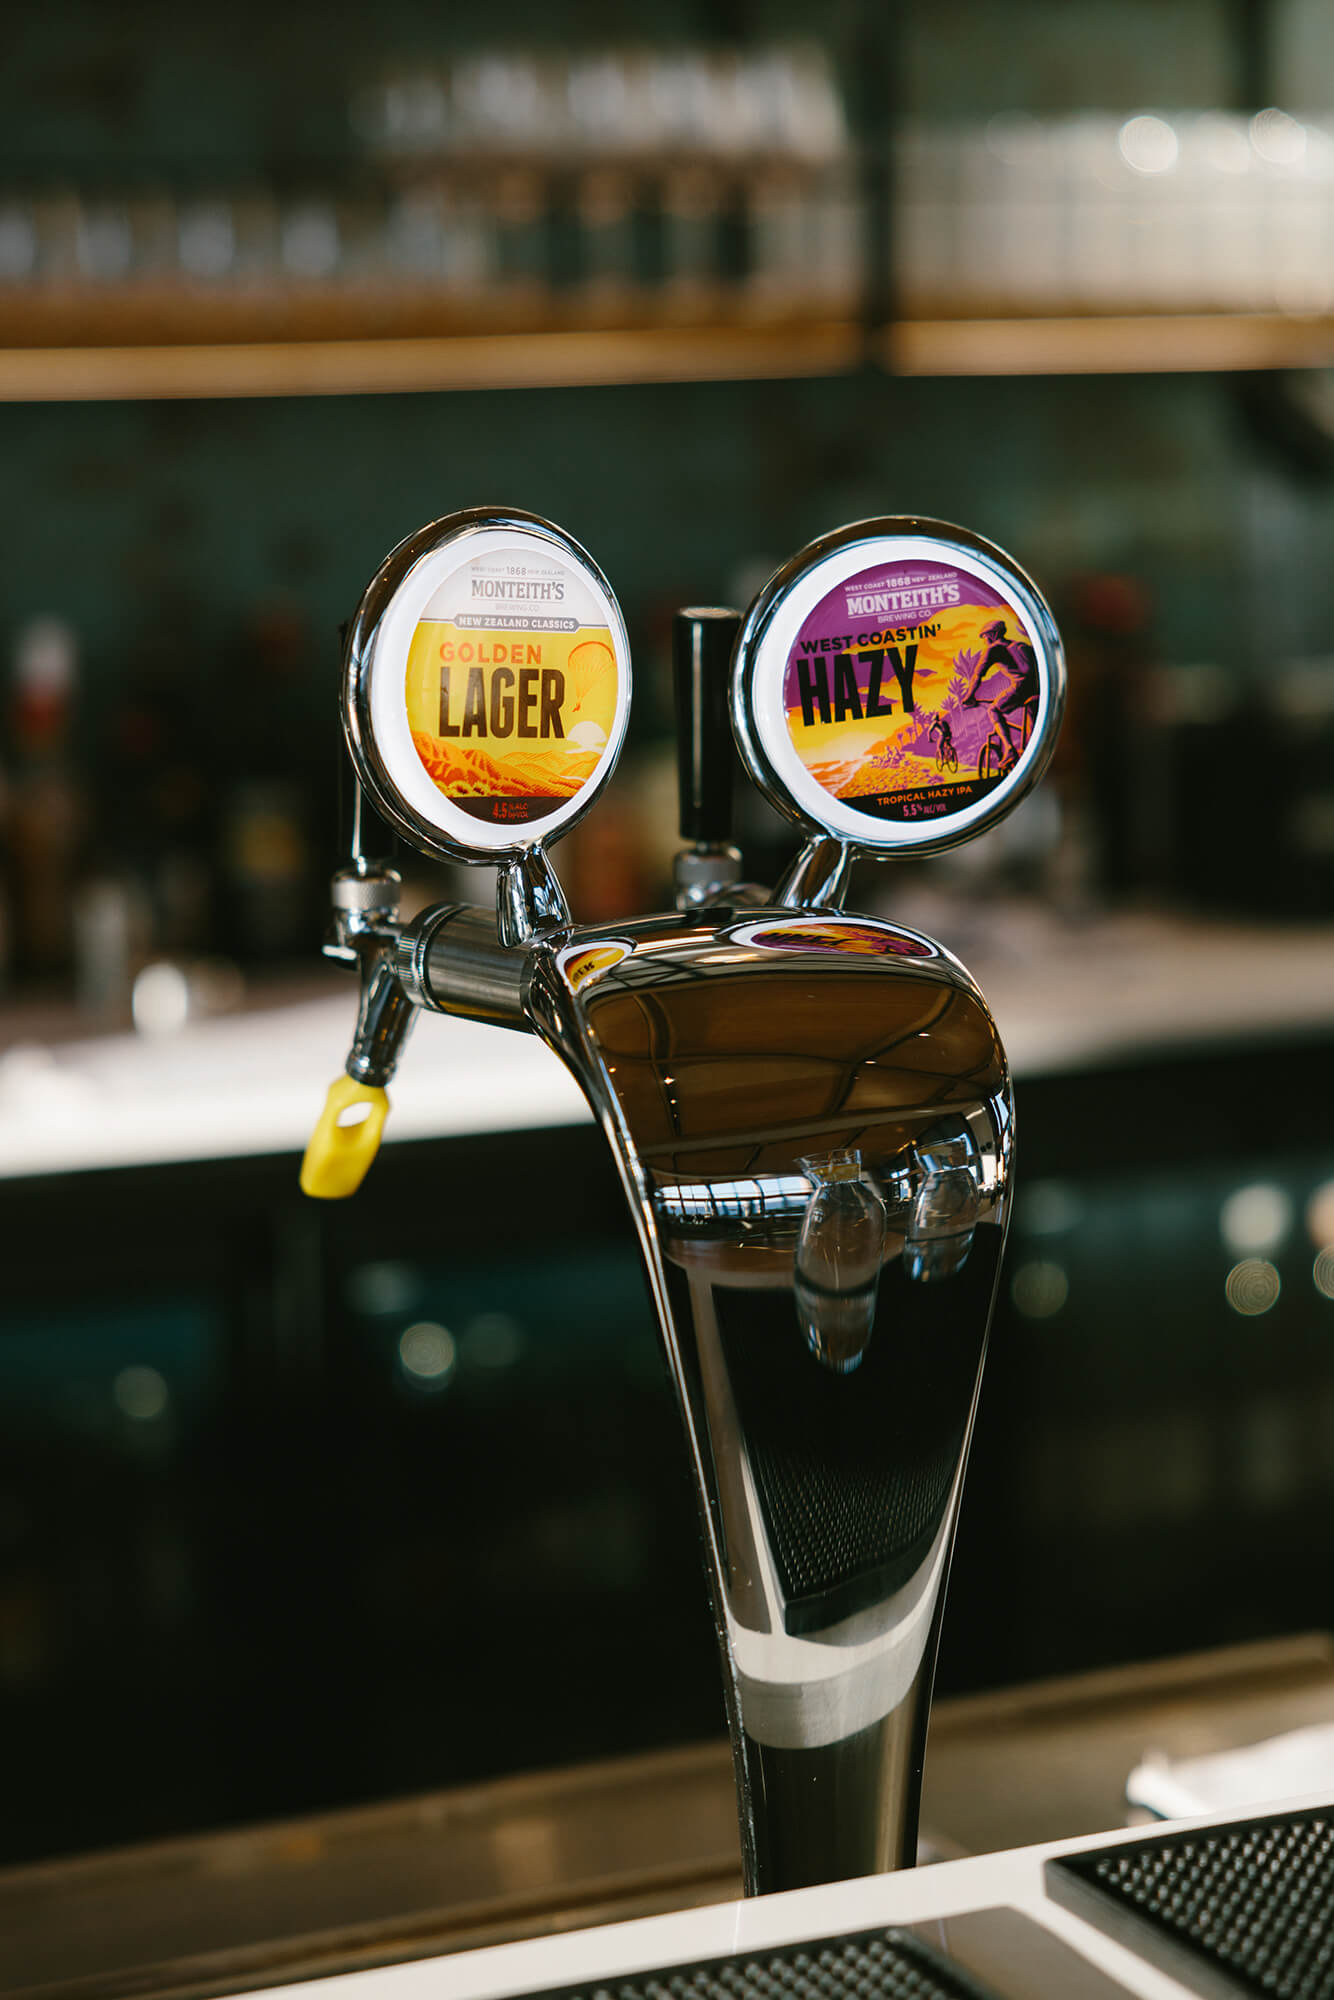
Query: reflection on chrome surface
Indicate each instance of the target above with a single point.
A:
(815, 1140)
(836, 1268)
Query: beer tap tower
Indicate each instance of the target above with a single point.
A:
(810, 1112)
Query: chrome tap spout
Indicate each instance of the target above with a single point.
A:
(811, 1117)
(726, 1055)
(364, 932)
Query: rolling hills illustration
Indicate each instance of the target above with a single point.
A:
(464, 771)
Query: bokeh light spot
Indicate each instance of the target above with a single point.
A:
(493, 1340)
(1254, 1220)
(1149, 144)
(1039, 1289)
(141, 1394)
(428, 1353)
(1320, 1215)
(1252, 1287)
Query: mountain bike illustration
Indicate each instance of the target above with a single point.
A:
(947, 757)
(1002, 751)
(1012, 699)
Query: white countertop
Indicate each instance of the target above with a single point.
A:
(594, 1960)
(255, 1083)
(1065, 997)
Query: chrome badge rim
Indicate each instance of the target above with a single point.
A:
(952, 811)
(376, 721)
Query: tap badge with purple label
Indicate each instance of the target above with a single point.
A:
(899, 688)
(911, 690)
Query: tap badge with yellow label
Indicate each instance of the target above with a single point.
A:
(487, 686)
(511, 686)
(912, 689)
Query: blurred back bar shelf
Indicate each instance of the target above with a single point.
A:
(649, 216)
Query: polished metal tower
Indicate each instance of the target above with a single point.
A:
(810, 1111)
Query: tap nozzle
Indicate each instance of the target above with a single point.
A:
(365, 931)
(365, 907)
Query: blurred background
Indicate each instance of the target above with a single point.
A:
(297, 1509)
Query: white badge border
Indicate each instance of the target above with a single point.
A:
(387, 707)
(768, 675)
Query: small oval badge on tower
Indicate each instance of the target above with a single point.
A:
(487, 684)
(899, 685)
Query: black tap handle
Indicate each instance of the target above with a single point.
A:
(702, 641)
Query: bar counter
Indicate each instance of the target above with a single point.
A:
(604, 1843)
(1066, 995)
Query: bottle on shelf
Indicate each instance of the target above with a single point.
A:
(47, 811)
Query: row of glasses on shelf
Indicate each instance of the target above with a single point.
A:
(781, 238)
(718, 103)
(679, 180)
(485, 190)
(1202, 211)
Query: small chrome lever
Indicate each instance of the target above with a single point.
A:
(702, 640)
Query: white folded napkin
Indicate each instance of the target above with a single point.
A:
(1284, 1767)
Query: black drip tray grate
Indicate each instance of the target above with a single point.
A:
(1246, 1908)
(865, 1966)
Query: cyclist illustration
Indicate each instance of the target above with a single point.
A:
(947, 757)
(1012, 698)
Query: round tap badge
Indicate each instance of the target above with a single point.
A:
(898, 684)
(488, 684)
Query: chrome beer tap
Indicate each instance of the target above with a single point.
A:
(810, 1112)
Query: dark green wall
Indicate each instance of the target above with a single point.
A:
(128, 516)
(95, 88)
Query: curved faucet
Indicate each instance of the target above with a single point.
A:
(812, 1121)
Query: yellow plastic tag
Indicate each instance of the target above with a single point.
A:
(345, 1141)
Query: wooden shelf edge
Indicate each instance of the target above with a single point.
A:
(1111, 345)
(456, 361)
